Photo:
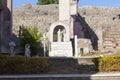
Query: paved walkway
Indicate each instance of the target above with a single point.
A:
(61, 75)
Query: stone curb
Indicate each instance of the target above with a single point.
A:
(59, 76)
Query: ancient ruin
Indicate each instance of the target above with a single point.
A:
(69, 25)
(60, 31)
(89, 36)
(5, 25)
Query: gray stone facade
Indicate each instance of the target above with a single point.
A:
(5, 24)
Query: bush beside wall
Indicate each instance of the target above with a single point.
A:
(21, 65)
(109, 64)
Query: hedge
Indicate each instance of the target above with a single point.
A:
(109, 63)
(21, 65)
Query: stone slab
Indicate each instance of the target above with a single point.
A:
(63, 77)
(60, 49)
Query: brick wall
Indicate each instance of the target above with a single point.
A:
(111, 38)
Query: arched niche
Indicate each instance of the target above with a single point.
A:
(55, 33)
(54, 29)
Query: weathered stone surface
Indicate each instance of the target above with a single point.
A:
(60, 49)
(97, 18)
(84, 46)
(40, 16)
(5, 25)
(44, 15)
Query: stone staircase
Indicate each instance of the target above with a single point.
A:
(71, 66)
(111, 38)
(62, 68)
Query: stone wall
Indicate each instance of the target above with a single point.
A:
(40, 16)
(103, 21)
(5, 25)
(111, 38)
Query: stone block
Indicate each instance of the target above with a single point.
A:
(60, 49)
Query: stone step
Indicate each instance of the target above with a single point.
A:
(72, 65)
(111, 39)
(112, 33)
(104, 76)
(111, 27)
(109, 45)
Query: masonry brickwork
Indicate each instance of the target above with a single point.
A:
(99, 19)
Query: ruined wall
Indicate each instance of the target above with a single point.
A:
(5, 25)
(111, 38)
(101, 20)
(105, 23)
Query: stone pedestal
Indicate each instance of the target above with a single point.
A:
(60, 49)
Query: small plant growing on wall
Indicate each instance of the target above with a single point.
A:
(31, 36)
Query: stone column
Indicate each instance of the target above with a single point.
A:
(76, 48)
(73, 7)
(64, 10)
(9, 6)
(44, 44)
(71, 28)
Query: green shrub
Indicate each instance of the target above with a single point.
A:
(21, 65)
(30, 35)
(110, 63)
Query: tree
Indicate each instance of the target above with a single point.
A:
(30, 35)
(43, 2)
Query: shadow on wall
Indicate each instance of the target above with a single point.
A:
(6, 26)
(83, 30)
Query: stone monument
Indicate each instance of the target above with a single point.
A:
(60, 31)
